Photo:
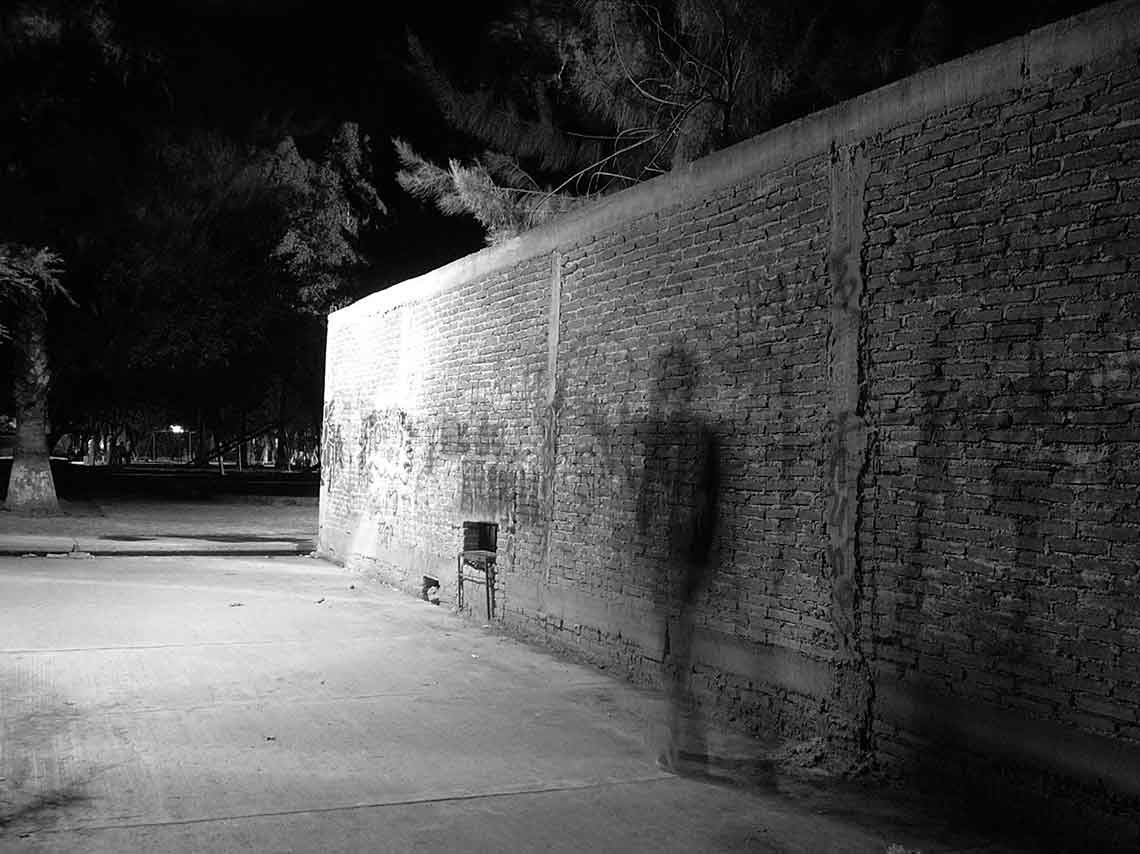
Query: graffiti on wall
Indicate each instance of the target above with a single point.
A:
(332, 446)
(388, 459)
(390, 434)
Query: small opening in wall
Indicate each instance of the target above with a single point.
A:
(430, 590)
(480, 536)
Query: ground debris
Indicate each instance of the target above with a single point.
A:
(811, 753)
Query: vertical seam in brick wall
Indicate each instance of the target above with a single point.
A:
(847, 442)
(552, 330)
(550, 417)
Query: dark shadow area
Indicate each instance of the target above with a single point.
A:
(34, 793)
(41, 809)
(198, 535)
(982, 638)
(677, 515)
(77, 482)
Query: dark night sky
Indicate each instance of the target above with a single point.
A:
(318, 63)
(297, 66)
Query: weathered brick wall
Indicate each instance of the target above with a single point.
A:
(1000, 527)
(709, 415)
(866, 387)
(430, 413)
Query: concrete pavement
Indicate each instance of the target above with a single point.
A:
(198, 704)
(134, 526)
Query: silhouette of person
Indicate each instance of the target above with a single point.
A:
(677, 512)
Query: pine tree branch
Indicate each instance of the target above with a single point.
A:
(605, 159)
(629, 75)
(500, 124)
(655, 20)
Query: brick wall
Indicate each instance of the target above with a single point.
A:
(1000, 529)
(866, 389)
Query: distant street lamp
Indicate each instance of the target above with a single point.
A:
(177, 430)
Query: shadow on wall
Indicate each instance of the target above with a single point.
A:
(677, 518)
(987, 634)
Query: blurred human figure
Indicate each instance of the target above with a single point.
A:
(677, 511)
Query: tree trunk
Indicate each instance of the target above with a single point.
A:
(243, 446)
(31, 488)
(282, 458)
(202, 457)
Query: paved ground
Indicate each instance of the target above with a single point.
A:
(198, 704)
(149, 527)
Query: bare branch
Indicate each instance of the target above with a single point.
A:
(684, 49)
(629, 75)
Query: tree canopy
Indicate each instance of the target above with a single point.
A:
(29, 278)
(576, 98)
(202, 249)
(224, 256)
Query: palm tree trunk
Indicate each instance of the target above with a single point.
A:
(31, 488)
